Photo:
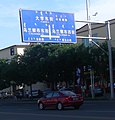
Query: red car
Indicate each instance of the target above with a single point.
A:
(60, 99)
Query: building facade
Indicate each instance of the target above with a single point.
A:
(11, 51)
(97, 30)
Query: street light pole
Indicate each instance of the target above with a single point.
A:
(109, 47)
(110, 59)
(89, 23)
(90, 40)
(87, 9)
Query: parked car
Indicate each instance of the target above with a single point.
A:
(60, 99)
(66, 89)
(46, 91)
(35, 94)
(71, 89)
(97, 91)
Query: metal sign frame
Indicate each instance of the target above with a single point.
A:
(109, 53)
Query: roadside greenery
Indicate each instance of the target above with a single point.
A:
(51, 63)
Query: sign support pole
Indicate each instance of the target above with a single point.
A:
(110, 60)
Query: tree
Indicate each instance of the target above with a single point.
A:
(3, 81)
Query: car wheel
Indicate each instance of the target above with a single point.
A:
(41, 106)
(59, 106)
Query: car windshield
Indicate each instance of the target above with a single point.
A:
(68, 93)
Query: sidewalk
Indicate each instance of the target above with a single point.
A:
(106, 97)
(34, 100)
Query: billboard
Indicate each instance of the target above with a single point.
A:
(47, 26)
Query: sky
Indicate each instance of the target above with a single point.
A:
(10, 33)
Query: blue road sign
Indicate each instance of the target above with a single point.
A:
(46, 26)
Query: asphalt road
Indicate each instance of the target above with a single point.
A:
(90, 110)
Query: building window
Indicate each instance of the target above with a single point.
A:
(12, 51)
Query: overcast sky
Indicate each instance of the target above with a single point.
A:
(9, 14)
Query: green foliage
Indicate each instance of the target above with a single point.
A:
(52, 63)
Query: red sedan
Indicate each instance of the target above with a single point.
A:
(60, 99)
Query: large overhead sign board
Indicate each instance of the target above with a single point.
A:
(46, 26)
